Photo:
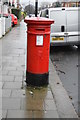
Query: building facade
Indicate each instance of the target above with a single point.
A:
(71, 4)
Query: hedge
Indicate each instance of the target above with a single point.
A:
(16, 12)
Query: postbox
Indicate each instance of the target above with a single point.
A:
(38, 46)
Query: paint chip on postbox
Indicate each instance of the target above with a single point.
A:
(39, 40)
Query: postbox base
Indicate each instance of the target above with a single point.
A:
(37, 79)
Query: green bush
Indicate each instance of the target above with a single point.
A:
(16, 12)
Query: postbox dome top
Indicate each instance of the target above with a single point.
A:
(38, 20)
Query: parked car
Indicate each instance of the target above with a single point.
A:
(66, 27)
(14, 19)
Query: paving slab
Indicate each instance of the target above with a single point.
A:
(0, 103)
(4, 113)
(9, 68)
(5, 72)
(1, 85)
(18, 78)
(12, 85)
(6, 93)
(11, 103)
(15, 73)
(50, 105)
(19, 114)
(7, 78)
(32, 104)
(0, 114)
(18, 93)
(45, 114)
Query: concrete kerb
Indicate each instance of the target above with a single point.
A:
(64, 106)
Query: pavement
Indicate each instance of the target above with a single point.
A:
(19, 100)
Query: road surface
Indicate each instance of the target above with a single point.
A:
(65, 60)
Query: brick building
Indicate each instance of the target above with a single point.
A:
(66, 3)
(70, 3)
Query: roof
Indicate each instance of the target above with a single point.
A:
(69, 0)
(66, 8)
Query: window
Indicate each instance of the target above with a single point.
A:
(44, 13)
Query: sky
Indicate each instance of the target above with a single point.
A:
(33, 1)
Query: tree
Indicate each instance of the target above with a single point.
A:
(29, 9)
(58, 4)
(44, 4)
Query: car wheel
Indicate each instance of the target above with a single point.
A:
(13, 24)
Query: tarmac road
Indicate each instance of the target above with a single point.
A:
(65, 60)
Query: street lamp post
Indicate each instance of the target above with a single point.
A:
(36, 8)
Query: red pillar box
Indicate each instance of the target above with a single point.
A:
(38, 44)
